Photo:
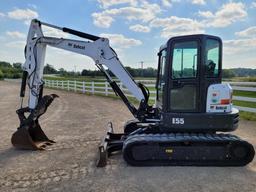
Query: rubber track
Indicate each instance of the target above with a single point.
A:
(181, 138)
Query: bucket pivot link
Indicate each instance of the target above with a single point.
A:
(29, 134)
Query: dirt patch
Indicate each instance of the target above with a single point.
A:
(77, 122)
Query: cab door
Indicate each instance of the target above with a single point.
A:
(184, 76)
(160, 83)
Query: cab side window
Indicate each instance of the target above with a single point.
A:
(161, 75)
(212, 58)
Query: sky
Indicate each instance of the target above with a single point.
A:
(136, 28)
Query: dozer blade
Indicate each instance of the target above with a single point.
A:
(111, 142)
(31, 138)
(29, 135)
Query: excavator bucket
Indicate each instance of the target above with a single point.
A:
(29, 134)
(31, 138)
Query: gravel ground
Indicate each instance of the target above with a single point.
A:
(76, 122)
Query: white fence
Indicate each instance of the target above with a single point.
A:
(105, 89)
(91, 87)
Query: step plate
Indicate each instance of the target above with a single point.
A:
(187, 150)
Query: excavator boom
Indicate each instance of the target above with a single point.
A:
(29, 134)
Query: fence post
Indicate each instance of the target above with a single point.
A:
(68, 85)
(106, 88)
(62, 84)
(57, 84)
(75, 85)
(93, 87)
(83, 87)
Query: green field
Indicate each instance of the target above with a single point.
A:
(245, 93)
(245, 103)
(77, 78)
(243, 114)
(247, 115)
(243, 79)
(86, 78)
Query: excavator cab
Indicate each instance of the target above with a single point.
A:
(188, 66)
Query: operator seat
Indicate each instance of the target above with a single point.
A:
(210, 67)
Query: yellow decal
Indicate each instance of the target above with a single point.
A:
(168, 150)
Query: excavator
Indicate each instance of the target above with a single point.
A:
(187, 125)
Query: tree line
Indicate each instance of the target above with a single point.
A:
(11, 71)
(8, 70)
(147, 72)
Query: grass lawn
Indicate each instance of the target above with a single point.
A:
(244, 93)
(244, 79)
(77, 78)
(245, 103)
(247, 115)
(87, 78)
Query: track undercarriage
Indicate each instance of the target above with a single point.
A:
(146, 147)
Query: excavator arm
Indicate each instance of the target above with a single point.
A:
(96, 48)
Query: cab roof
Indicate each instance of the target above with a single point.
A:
(194, 36)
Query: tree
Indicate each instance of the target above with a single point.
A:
(5, 64)
(62, 71)
(1, 75)
(228, 73)
(91, 73)
(17, 65)
(49, 69)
